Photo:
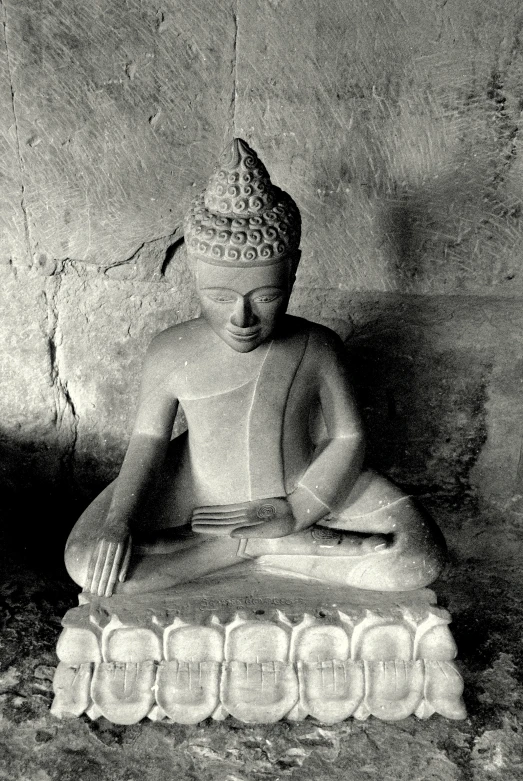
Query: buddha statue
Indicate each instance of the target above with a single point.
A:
(271, 468)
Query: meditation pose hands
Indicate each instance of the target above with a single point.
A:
(266, 518)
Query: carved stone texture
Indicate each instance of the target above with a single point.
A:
(270, 478)
(275, 442)
(289, 651)
(119, 104)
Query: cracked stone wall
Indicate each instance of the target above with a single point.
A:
(394, 125)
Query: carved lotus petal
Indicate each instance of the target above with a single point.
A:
(76, 646)
(321, 642)
(437, 644)
(257, 641)
(124, 692)
(331, 690)
(259, 684)
(394, 688)
(190, 643)
(259, 693)
(375, 639)
(443, 690)
(72, 690)
(188, 692)
(131, 645)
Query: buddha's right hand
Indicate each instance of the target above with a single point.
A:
(109, 560)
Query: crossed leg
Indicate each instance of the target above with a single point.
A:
(159, 560)
(379, 540)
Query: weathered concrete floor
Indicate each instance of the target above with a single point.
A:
(487, 606)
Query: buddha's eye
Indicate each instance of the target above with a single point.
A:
(221, 298)
(266, 299)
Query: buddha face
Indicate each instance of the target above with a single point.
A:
(243, 305)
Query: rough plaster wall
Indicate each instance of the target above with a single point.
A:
(112, 103)
(395, 127)
(397, 124)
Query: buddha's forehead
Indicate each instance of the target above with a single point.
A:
(242, 280)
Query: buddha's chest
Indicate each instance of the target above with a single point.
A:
(205, 375)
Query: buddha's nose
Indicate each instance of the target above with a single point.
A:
(243, 316)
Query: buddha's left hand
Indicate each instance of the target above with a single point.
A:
(267, 518)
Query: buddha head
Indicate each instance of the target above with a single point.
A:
(242, 235)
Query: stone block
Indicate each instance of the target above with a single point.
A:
(260, 649)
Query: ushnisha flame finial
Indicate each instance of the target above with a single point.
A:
(241, 218)
(240, 186)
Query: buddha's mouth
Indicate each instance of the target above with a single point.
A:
(244, 334)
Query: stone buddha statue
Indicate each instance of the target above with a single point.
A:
(242, 567)
(270, 470)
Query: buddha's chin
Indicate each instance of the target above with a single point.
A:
(243, 345)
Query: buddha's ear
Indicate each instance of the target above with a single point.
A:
(294, 266)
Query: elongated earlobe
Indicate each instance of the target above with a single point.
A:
(293, 267)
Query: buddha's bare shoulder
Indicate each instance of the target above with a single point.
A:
(324, 354)
(189, 332)
(174, 346)
(320, 339)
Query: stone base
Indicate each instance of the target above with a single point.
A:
(261, 648)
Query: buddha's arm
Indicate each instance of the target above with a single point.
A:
(144, 458)
(142, 464)
(338, 459)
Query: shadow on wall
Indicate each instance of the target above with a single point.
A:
(424, 411)
(43, 492)
(456, 227)
(405, 223)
